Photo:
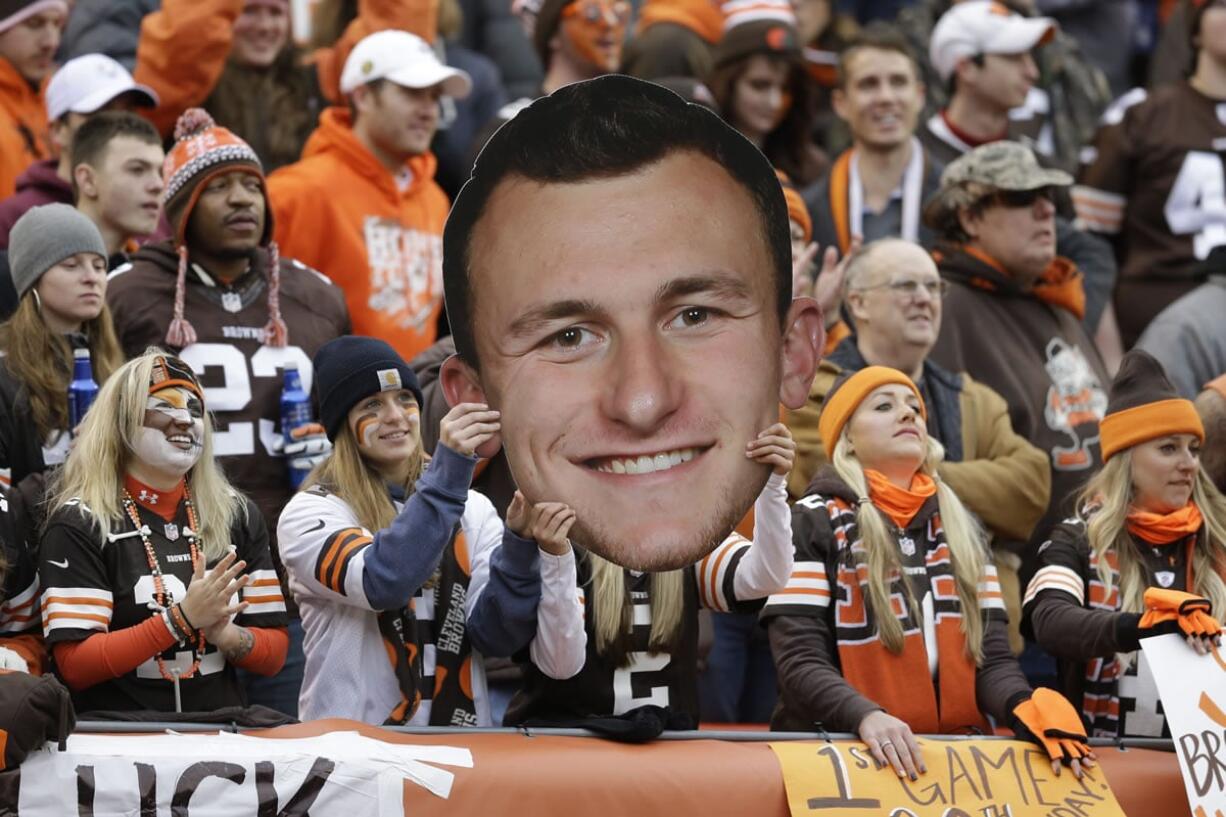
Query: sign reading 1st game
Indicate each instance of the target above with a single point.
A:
(965, 778)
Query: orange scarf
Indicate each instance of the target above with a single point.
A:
(1060, 285)
(900, 504)
(1163, 529)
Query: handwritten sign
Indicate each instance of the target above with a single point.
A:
(1193, 690)
(965, 778)
(335, 773)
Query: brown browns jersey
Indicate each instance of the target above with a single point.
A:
(89, 588)
(605, 687)
(241, 375)
(1156, 180)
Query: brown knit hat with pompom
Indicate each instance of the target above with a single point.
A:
(202, 151)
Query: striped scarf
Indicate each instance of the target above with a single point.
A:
(1100, 705)
(902, 682)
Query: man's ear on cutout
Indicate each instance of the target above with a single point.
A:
(462, 384)
(804, 338)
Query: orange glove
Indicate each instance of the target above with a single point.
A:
(1189, 611)
(1053, 724)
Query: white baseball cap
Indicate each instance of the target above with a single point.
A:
(984, 27)
(90, 81)
(404, 59)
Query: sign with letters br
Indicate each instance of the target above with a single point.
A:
(965, 778)
(1193, 691)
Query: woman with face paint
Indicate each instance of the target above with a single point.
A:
(762, 88)
(404, 577)
(1145, 555)
(157, 578)
(58, 262)
(917, 641)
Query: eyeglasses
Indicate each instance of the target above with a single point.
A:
(594, 11)
(910, 287)
(1018, 199)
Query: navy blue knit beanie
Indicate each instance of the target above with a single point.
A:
(351, 368)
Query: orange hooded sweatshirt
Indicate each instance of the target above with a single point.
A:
(23, 127)
(379, 238)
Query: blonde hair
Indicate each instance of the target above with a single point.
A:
(41, 360)
(1106, 501)
(965, 537)
(613, 610)
(349, 476)
(95, 470)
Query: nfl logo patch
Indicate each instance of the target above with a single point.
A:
(172, 531)
(389, 379)
(231, 302)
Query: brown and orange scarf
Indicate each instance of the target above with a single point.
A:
(902, 682)
(1101, 701)
(1061, 285)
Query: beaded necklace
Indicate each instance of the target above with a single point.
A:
(161, 597)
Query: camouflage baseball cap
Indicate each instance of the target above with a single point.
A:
(1004, 166)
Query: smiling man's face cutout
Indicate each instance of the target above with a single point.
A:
(628, 329)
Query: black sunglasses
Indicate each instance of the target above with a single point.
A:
(1022, 198)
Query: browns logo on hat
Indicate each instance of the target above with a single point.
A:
(351, 368)
(768, 35)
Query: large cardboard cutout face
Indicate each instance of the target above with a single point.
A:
(627, 328)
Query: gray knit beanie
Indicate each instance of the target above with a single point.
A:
(44, 237)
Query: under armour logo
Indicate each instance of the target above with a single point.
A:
(146, 496)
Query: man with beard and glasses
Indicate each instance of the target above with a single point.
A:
(634, 350)
(157, 575)
(219, 294)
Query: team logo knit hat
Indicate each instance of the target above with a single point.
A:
(349, 369)
(771, 37)
(203, 151)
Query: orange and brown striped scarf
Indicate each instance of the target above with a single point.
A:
(902, 683)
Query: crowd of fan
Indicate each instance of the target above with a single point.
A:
(1016, 228)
